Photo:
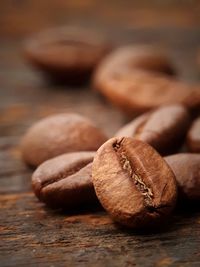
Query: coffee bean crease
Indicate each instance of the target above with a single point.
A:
(65, 174)
(139, 183)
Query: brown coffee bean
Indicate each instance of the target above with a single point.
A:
(186, 167)
(133, 182)
(58, 134)
(65, 181)
(193, 137)
(129, 58)
(134, 79)
(66, 54)
(163, 128)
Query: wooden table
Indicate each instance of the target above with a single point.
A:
(31, 234)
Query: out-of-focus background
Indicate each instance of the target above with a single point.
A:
(33, 235)
(19, 18)
(174, 25)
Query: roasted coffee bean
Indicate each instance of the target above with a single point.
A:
(136, 79)
(66, 54)
(193, 137)
(58, 134)
(65, 181)
(163, 128)
(186, 167)
(133, 183)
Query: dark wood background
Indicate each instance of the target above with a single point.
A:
(33, 235)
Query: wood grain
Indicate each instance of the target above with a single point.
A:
(31, 234)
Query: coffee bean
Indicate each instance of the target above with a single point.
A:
(193, 137)
(186, 167)
(58, 134)
(133, 183)
(163, 128)
(66, 54)
(136, 80)
(65, 181)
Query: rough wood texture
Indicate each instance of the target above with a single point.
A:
(31, 234)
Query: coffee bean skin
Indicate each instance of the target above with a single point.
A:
(133, 183)
(193, 137)
(66, 54)
(65, 181)
(163, 128)
(136, 80)
(186, 167)
(58, 134)
(127, 59)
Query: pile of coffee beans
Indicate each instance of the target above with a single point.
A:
(78, 166)
(146, 169)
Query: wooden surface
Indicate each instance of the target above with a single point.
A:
(31, 234)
